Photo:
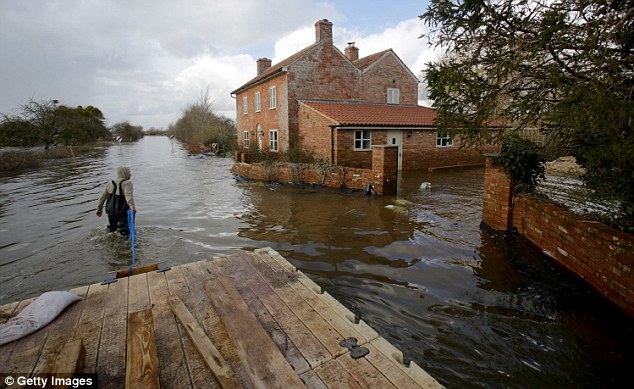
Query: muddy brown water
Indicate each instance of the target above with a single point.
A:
(472, 307)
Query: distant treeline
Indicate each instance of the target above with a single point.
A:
(49, 123)
(198, 124)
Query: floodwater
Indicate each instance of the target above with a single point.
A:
(472, 307)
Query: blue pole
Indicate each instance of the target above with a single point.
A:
(131, 228)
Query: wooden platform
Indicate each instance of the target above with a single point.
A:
(246, 320)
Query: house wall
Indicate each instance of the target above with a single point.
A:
(345, 155)
(267, 118)
(420, 152)
(325, 73)
(388, 73)
(600, 255)
(315, 135)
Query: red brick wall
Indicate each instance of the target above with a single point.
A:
(497, 198)
(315, 134)
(324, 73)
(388, 73)
(383, 176)
(420, 152)
(602, 256)
(267, 118)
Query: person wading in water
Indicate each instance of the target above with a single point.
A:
(118, 197)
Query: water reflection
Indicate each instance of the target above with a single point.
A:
(471, 307)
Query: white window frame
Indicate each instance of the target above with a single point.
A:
(273, 140)
(443, 139)
(257, 101)
(247, 141)
(362, 140)
(272, 97)
(393, 96)
(245, 105)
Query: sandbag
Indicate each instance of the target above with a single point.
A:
(36, 315)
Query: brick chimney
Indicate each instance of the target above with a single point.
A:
(352, 52)
(323, 30)
(263, 64)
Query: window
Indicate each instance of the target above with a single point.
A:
(247, 144)
(362, 140)
(272, 98)
(273, 140)
(443, 139)
(245, 105)
(257, 101)
(393, 95)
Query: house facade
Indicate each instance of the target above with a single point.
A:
(301, 102)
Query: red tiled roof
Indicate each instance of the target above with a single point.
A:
(373, 114)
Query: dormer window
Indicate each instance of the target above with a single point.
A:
(393, 95)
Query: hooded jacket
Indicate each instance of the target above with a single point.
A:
(123, 177)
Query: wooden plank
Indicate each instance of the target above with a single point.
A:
(122, 273)
(173, 372)
(336, 376)
(364, 372)
(390, 369)
(70, 360)
(62, 329)
(200, 374)
(195, 274)
(23, 355)
(312, 380)
(111, 357)
(414, 371)
(343, 326)
(320, 328)
(212, 357)
(368, 332)
(266, 365)
(11, 351)
(6, 311)
(268, 322)
(142, 363)
(138, 293)
(244, 274)
(90, 324)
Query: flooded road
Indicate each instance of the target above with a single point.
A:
(472, 308)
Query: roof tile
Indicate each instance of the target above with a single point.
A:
(373, 114)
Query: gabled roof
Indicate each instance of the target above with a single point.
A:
(366, 63)
(363, 63)
(276, 68)
(355, 113)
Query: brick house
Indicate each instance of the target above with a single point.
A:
(336, 105)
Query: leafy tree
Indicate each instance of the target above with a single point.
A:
(199, 124)
(49, 123)
(40, 122)
(563, 66)
(127, 131)
(82, 125)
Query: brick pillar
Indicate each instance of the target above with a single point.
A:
(497, 204)
(385, 169)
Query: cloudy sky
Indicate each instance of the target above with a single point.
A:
(144, 61)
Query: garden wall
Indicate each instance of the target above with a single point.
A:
(601, 255)
(383, 176)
